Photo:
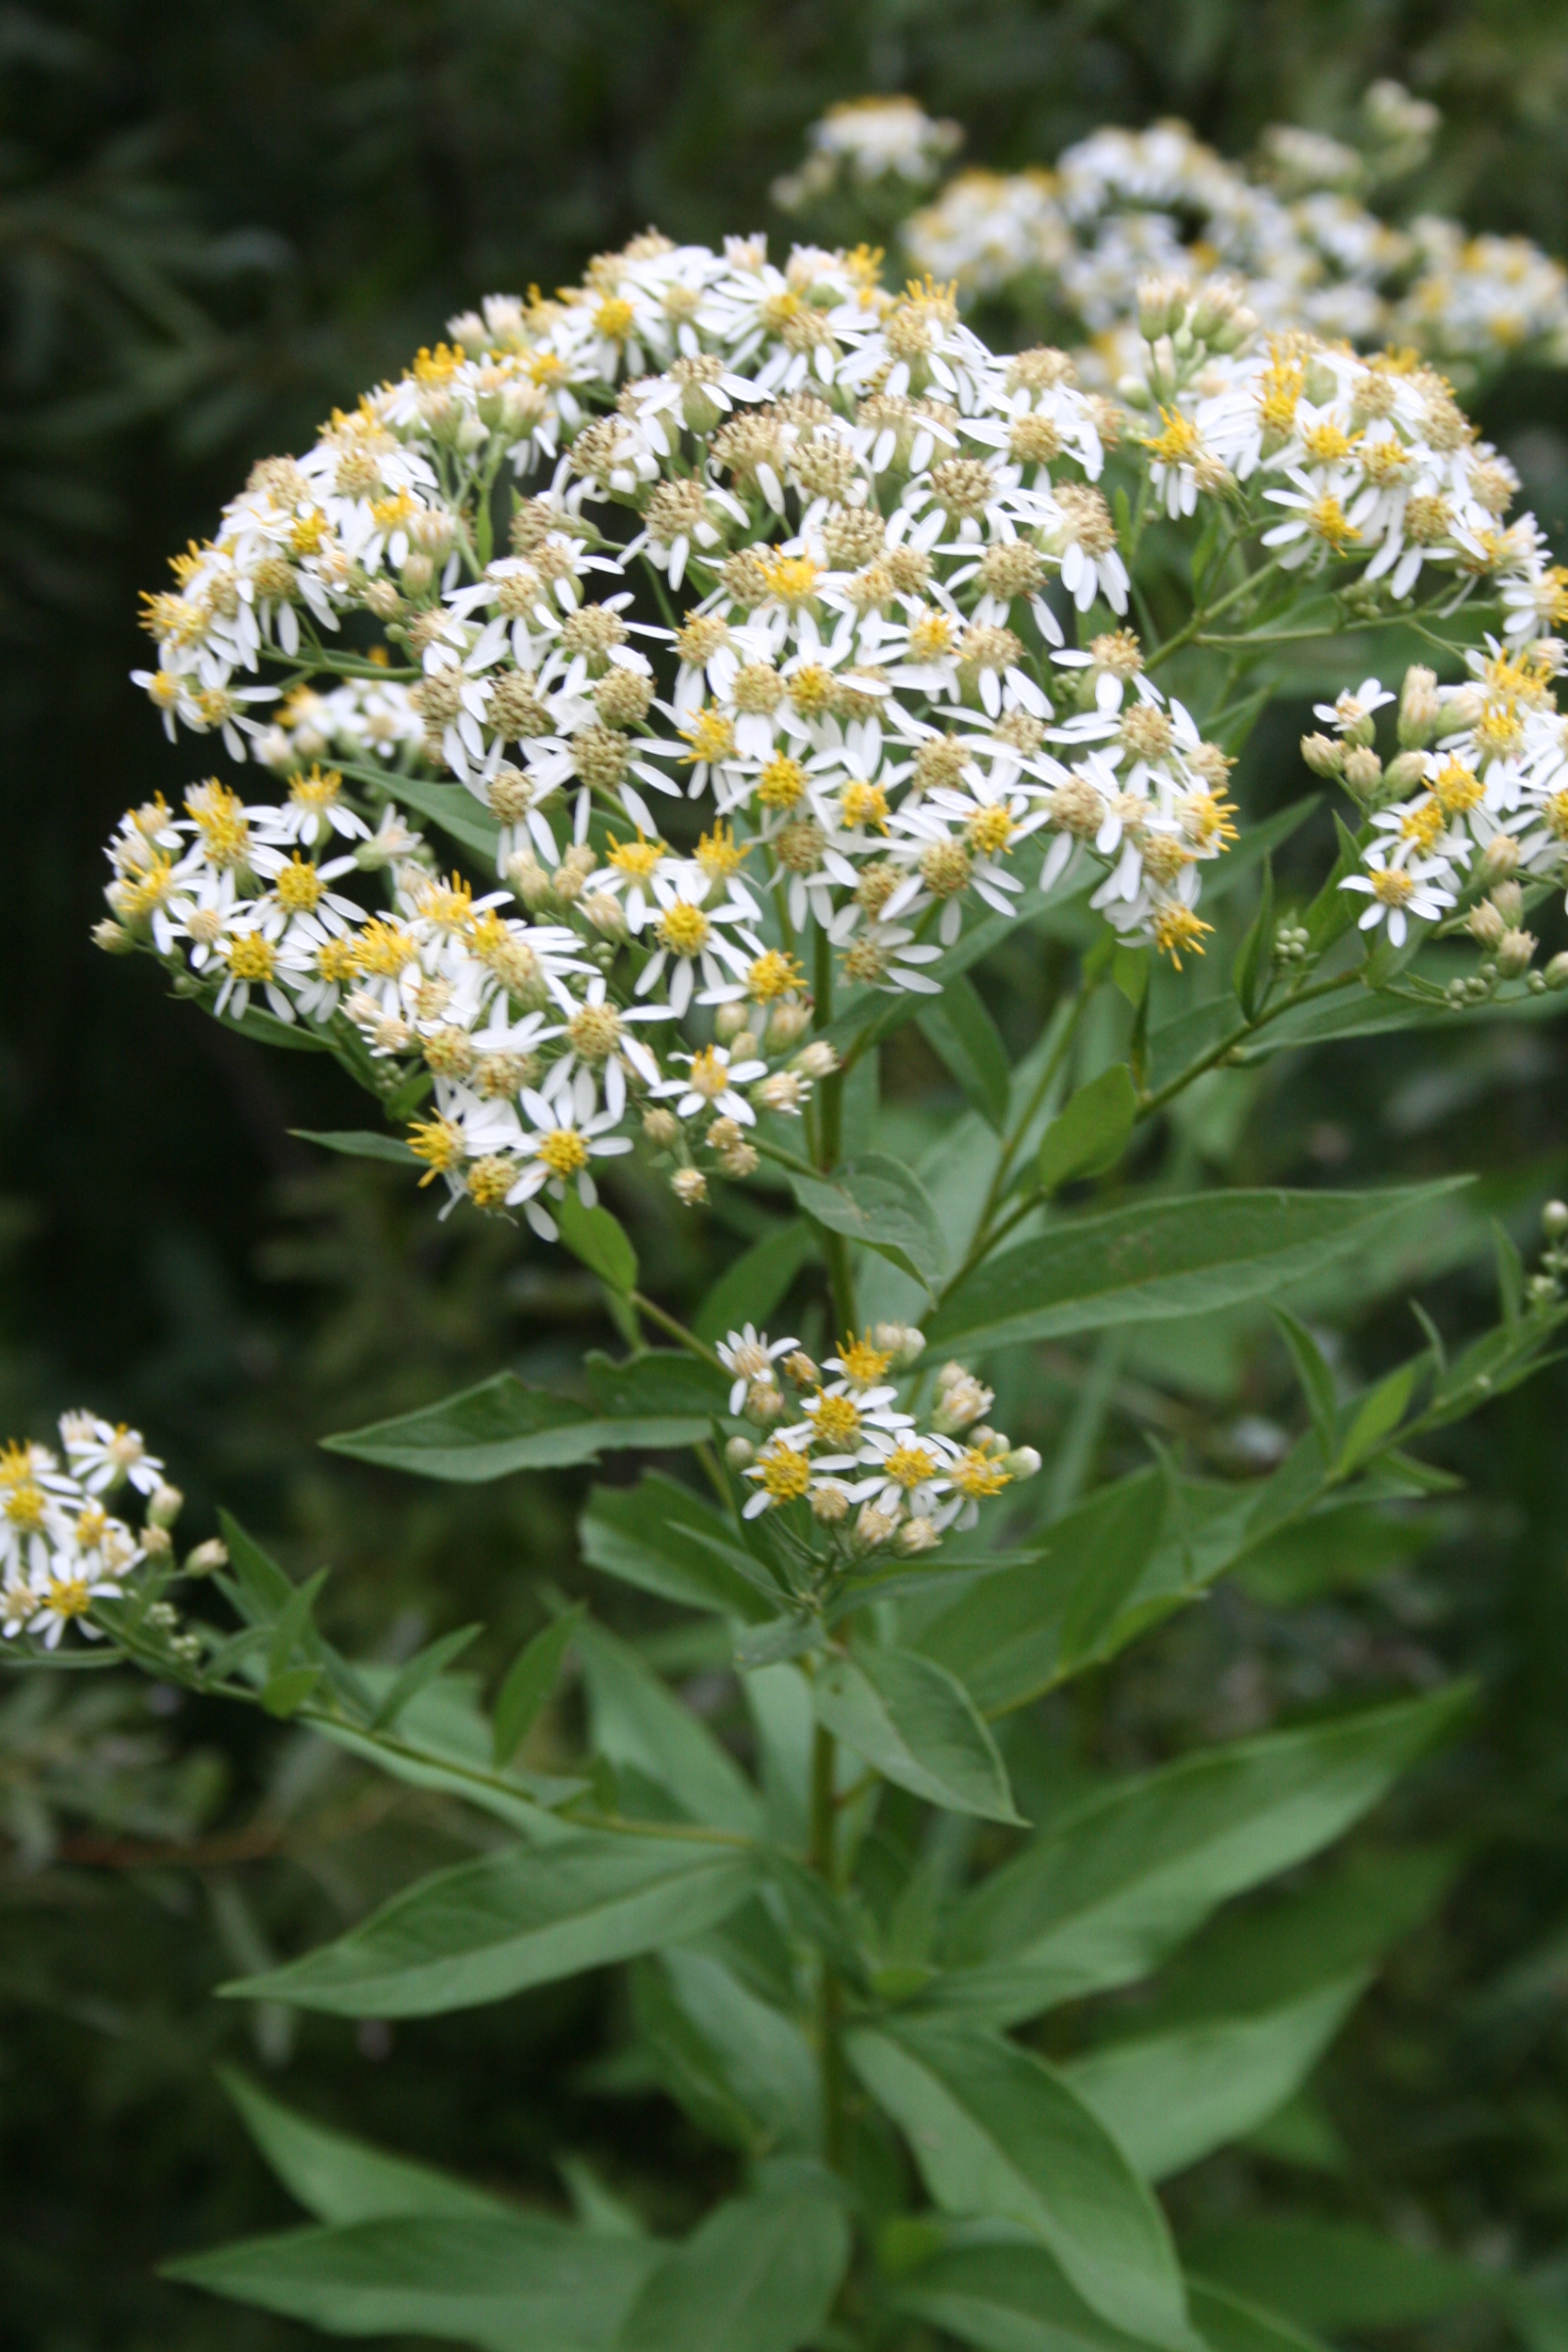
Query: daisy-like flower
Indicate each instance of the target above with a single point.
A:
(749, 1355)
(711, 1082)
(602, 1046)
(781, 1473)
(63, 1584)
(557, 1149)
(1398, 889)
(104, 1455)
(687, 937)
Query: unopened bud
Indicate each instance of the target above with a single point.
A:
(1556, 974)
(156, 1542)
(432, 531)
(1515, 953)
(1554, 1219)
(112, 938)
(1022, 1462)
(874, 1527)
(830, 1504)
(785, 1024)
(729, 1020)
(917, 1535)
(1323, 755)
(606, 914)
(739, 1452)
(381, 598)
(744, 1046)
(799, 1368)
(1162, 304)
(164, 1506)
(1501, 858)
(817, 1060)
(690, 1186)
(764, 1402)
(1485, 923)
(1420, 707)
(1363, 771)
(206, 1557)
(782, 1091)
(1404, 773)
(1509, 899)
(901, 1341)
(660, 1127)
(418, 571)
(523, 874)
(163, 1615)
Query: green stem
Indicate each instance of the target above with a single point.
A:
(823, 1860)
(688, 1340)
(1150, 1104)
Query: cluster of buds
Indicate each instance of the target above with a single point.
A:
(1183, 327)
(1545, 1287)
(708, 1109)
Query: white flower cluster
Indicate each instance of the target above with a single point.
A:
(868, 1472)
(1291, 230)
(1474, 800)
(860, 528)
(61, 1549)
(866, 140)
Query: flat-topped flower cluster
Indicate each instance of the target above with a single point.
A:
(1291, 227)
(63, 1549)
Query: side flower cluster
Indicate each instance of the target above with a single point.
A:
(63, 1550)
(872, 1475)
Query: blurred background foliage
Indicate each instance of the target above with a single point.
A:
(214, 222)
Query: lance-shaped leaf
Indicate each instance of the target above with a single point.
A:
(529, 1680)
(600, 1240)
(525, 1917)
(1164, 1258)
(338, 2178)
(1005, 2293)
(639, 1724)
(919, 1726)
(1168, 2098)
(1092, 1132)
(664, 1538)
(360, 1144)
(880, 1202)
(1336, 2273)
(1233, 2323)
(503, 1424)
(1108, 1892)
(751, 1288)
(490, 2282)
(760, 2275)
(997, 2133)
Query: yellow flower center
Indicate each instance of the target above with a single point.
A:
(335, 961)
(615, 318)
(792, 578)
(773, 976)
(1457, 788)
(219, 817)
(306, 534)
(978, 1474)
(990, 830)
(1178, 444)
(1391, 886)
(683, 928)
(562, 1151)
(785, 1472)
(595, 1031)
(68, 1597)
(930, 636)
(1327, 520)
(437, 367)
(298, 886)
(910, 1466)
(836, 1419)
(1423, 824)
(1325, 444)
(382, 949)
(1177, 931)
(437, 1142)
(710, 1075)
(781, 783)
(26, 1506)
(317, 790)
(863, 1365)
(713, 737)
(250, 956)
(639, 857)
(864, 803)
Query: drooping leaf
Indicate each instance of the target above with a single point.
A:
(503, 1424)
(338, 2178)
(878, 1201)
(357, 1144)
(648, 1535)
(490, 2282)
(1103, 1895)
(637, 1722)
(1168, 2098)
(760, 2275)
(919, 1726)
(997, 2133)
(958, 1028)
(529, 1680)
(600, 1240)
(486, 1929)
(1162, 1258)
(1091, 1132)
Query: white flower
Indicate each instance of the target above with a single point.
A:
(1397, 890)
(750, 1355)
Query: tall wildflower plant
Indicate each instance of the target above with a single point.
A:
(772, 654)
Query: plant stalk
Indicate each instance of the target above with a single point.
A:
(829, 1992)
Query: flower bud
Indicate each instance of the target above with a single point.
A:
(1554, 1219)
(830, 1503)
(418, 571)
(1501, 858)
(1485, 922)
(764, 1401)
(156, 1542)
(690, 1186)
(901, 1341)
(785, 1024)
(1420, 707)
(606, 914)
(432, 531)
(739, 1452)
(729, 1020)
(163, 1615)
(1404, 772)
(817, 1060)
(1509, 899)
(1323, 755)
(1161, 305)
(744, 1046)
(164, 1506)
(917, 1535)
(660, 1127)
(872, 1527)
(206, 1557)
(112, 938)
(1515, 953)
(381, 598)
(1556, 974)
(799, 1368)
(1363, 772)
(782, 1091)
(1022, 1462)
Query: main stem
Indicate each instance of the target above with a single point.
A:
(830, 2046)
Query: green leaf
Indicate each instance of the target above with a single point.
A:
(748, 1291)
(879, 1202)
(958, 1028)
(1127, 1523)
(1169, 2098)
(338, 2178)
(1312, 1370)
(293, 1623)
(600, 1240)
(283, 1694)
(1004, 2294)
(656, 1382)
(1166, 1257)
(489, 2283)
(742, 2070)
(997, 2132)
(1376, 1418)
(356, 1145)
(637, 1722)
(445, 1743)
(454, 808)
(1092, 1132)
(1230, 2323)
(1101, 1896)
(1254, 963)
(528, 1916)
(917, 1724)
(501, 1426)
(760, 2275)
(260, 1578)
(646, 1535)
(529, 1680)
(1336, 2275)
(410, 1679)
